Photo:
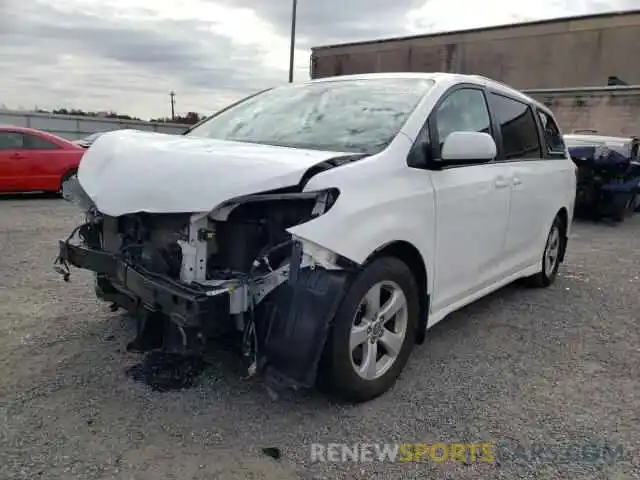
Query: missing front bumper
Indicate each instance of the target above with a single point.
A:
(290, 333)
(185, 305)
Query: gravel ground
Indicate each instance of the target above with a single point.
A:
(546, 366)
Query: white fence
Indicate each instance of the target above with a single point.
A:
(74, 127)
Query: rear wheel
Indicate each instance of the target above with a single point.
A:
(554, 247)
(373, 332)
(631, 206)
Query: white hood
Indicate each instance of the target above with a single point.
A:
(130, 171)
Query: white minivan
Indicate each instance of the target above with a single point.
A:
(326, 224)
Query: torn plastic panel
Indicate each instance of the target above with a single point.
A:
(73, 192)
(234, 269)
(300, 318)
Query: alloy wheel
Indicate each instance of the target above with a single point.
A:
(379, 330)
(552, 250)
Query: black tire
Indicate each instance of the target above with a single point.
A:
(546, 277)
(337, 375)
(618, 214)
(631, 206)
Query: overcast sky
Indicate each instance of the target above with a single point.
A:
(126, 55)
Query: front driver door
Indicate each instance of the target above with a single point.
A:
(472, 205)
(42, 165)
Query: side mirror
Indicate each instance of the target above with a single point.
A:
(468, 147)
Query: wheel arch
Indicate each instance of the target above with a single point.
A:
(412, 258)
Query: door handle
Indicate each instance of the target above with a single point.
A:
(500, 182)
(517, 181)
(16, 156)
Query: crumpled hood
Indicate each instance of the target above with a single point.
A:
(130, 171)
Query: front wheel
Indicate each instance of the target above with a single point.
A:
(373, 332)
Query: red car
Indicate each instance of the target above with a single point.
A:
(35, 161)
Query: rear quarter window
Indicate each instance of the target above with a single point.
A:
(554, 142)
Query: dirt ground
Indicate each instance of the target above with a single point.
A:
(555, 367)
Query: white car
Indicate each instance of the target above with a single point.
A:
(329, 223)
(627, 146)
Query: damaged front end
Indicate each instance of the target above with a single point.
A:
(235, 271)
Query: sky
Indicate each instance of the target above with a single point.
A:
(127, 55)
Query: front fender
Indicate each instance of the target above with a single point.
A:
(358, 234)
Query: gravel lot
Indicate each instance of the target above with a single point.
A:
(547, 366)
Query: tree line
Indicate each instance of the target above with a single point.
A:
(190, 118)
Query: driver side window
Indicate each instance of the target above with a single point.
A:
(464, 110)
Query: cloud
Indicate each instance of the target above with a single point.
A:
(326, 22)
(477, 14)
(126, 55)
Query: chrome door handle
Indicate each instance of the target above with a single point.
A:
(517, 181)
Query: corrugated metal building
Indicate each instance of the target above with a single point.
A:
(565, 63)
(74, 127)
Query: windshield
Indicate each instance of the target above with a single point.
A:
(360, 116)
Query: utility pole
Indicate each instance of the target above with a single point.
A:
(172, 94)
(293, 38)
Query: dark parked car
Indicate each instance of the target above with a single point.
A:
(608, 175)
